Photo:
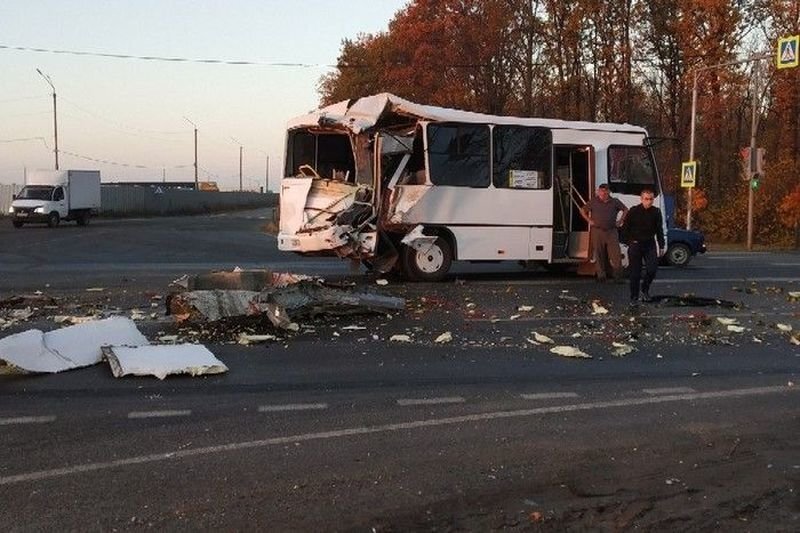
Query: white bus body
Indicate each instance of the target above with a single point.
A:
(402, 185)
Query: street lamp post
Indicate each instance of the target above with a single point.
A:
(696, 73)
(55, 111)
(241, 148)
(196, 183)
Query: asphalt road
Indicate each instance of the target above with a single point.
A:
(343, 429)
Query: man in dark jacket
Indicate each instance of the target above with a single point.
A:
(644, 228)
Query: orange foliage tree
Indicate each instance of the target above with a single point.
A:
(610, 60)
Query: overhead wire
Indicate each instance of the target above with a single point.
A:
(119, 164)
(166, 59)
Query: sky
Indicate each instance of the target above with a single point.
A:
(135, 115)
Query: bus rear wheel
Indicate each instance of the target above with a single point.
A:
(432, 264)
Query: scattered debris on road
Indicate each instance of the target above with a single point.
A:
(68, 348)
(282, 298)
(444, 338)
(162, 361)
(570, 351)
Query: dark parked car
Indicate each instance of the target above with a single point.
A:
(682, 245)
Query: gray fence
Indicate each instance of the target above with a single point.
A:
(131, 200)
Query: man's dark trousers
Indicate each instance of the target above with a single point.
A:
(639, 252)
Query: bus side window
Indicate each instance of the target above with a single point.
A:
(458, 155)
(522, 157)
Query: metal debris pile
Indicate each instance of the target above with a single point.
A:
(283, 299)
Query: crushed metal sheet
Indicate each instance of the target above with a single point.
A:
(281, 305)
(525, 308)
(68, 348)
(726, 321)
(69, 319)
(444, 338)
(735, 329)
(400, 338)
(621, 349)
(246, 339)
(784, 327)
(598, 309)
(543, 339)
(162, 361)
(570, 351)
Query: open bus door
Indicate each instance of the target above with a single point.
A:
(574, 186)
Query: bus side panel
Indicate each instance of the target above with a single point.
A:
(502, 243)
(486, 207)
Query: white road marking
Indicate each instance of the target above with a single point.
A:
(26, 420)
(291, 407)
(387, 428)
(582, 318)
(429, 401)
(549, 395)
(669, 390)
(159, 414)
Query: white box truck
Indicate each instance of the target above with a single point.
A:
(51, 196)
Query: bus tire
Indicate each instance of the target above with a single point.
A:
(430, 266)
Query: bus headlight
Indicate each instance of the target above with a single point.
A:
(10, 210)
(39, 209)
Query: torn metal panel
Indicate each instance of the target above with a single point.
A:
(306, 299)
(365, 113)
(280, 305)
(162, 361)
(403, 199)
(418, 240)
(294, 192)
(326, 215)
(68, 348)
(213, 305)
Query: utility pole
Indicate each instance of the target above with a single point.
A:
(753, 155)
(55, 112)
(196, 183)
(266, 177)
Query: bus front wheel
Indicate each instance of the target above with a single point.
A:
(431, 264)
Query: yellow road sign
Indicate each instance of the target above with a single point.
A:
(788, 55)
(688, 174)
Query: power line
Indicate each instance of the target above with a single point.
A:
(165, 59)
(120, 125)
(7, 100)
(23, 139)
(117, 163)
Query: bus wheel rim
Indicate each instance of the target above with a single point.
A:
(431, 261)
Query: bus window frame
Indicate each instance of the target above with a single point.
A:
(623, 187)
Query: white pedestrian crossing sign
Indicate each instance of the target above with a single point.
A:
(688, 174)
(788, 51)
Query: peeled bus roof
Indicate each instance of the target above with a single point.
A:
(365, 112)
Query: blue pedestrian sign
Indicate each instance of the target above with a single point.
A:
(788, 51)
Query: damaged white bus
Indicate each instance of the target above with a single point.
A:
(398, 185)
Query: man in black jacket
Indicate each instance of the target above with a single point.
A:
(644, 226)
